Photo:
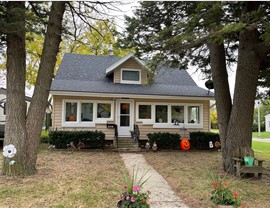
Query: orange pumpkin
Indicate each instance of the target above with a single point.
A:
(72, 118)
(185, 144)
(124, 107)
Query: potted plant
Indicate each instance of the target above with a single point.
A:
(132, 194)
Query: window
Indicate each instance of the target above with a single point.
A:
(161, 113)
(104, 110)
(170, 115)
(177, 114)
(144, 111)
(129, 76)
(71, 112)
(194, 114)
(87, 112)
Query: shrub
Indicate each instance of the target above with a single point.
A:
(164, 140)
(255, 127)
(44, 137)
(91, 139)
(200, 140)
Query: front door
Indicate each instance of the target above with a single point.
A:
(125, 114)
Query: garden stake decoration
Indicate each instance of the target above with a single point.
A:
(9, 151)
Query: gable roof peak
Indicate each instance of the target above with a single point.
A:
(111, 68)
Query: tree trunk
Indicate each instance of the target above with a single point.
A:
(21, 131)
(15, 129)
(222, 92)
(235, 121)
(46, 71)
(241, 119)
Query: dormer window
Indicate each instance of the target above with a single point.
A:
(130, 76)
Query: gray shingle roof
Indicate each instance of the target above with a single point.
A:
(84, 73)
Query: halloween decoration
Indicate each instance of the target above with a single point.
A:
(147, 145)
(124, 107)
(72, 118)
(217, 144)
(211, 145)
(185, 144)
(154, 147)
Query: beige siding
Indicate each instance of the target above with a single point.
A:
(130, 64)
(144, 129)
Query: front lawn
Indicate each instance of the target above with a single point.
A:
(86, 179)
(66, 179)
(186, 172)
(261, 135)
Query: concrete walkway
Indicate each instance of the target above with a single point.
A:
(162, 195)
(260, 140)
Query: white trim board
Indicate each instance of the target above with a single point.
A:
(163, 97)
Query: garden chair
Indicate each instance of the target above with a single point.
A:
(241, 167)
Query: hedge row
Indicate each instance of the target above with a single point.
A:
(91, 139)
(164, 140)
(200, 140)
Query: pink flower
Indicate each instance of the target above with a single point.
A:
(133, 199)
(235, 195)
(127, 197)
(122, 197)
(226, 185)
(124, 186)
(136, 188)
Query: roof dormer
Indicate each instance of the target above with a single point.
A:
(128, 70)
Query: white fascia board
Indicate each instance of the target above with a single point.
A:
(122, 60)
(162, 97)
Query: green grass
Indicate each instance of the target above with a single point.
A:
(261, 147)
(261, 135)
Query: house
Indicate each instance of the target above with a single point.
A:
(94, 92)
(267, 123)
(2, 109)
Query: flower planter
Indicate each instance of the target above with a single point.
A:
(119, 203)
(249, 161)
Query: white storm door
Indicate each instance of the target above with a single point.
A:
(125, 112)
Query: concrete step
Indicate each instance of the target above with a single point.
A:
(127, 143)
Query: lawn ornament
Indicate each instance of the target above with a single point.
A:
(185, 144)
(211, 145)
(154, 147)
(147, 145)
(217, 144)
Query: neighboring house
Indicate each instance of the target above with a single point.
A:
(90, 92)
(267, 123)
(2, 111)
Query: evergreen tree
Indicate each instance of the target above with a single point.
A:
(212, 36)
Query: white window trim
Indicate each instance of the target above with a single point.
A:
(170, 125)
(104, 120)
(145, 121)
(78, 122)
(129, 81)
